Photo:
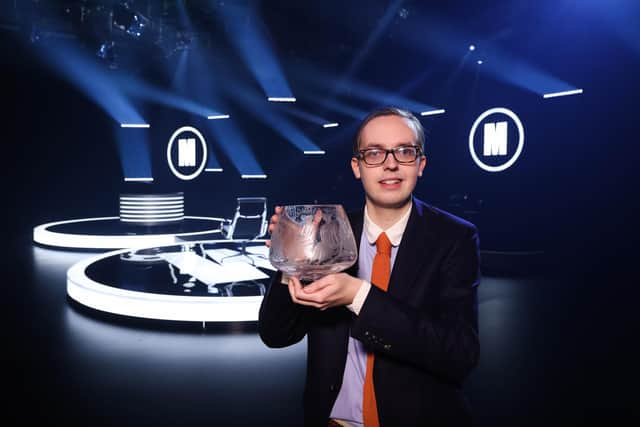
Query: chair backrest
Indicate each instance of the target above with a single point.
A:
(250, 219)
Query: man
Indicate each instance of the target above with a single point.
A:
(391, 340)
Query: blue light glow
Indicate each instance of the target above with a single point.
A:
(234, 144)
(135, 157)
(91, 79)
(249, 35)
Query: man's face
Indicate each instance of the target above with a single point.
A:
(390, 184)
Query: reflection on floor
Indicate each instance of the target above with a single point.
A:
(548, 357)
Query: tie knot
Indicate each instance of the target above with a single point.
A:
(383, 244)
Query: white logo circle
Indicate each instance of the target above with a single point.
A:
(515, 156)
(203, 144)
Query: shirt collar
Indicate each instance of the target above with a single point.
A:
(394, 233)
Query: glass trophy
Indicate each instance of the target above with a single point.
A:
(311, 241)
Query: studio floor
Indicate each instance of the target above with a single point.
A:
(557, 349)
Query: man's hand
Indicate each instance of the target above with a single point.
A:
(273, 222)
(332, 290)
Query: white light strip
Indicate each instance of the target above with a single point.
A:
(152, 216)
(152, 220)
(213, 170)
(281, 99)
(149, 211)
(42, 235)
(330, 125)
(218, 117)
(253, 176)
(156, 306)
(134, 125)
(565, 93)
(138, 179)
(143, 198)
(432, 112)
(143, 205)
(314, 152)
(143, 208)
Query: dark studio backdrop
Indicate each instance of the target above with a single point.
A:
(572, 194)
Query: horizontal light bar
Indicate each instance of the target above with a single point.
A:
(155, 306)
(313, 151)
(218, 117)
(151, 220)
(138, 179)
(432, 112)
(213, 170)
(129, 212)
(42, 235)
(253, 176)
(135, 125)
(150, 215)
(151, 205)
(280, 99)
(330, 125)
(565, 93)
(142, 198)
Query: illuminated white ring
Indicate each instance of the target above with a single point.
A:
(156, 306)
(42, 235)
(472, 135)
(204, 153)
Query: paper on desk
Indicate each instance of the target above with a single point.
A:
(211, 273)
(220, 255)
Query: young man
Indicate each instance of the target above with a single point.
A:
(391, 340)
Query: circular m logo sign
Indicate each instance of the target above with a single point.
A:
(188, 149)
(496, 139)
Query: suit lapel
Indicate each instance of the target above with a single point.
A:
(356, 220)
(417, 245)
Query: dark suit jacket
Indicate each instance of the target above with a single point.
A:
(424, 330)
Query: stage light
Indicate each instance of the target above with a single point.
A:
(134, 125)
(480, 62)
(106, 51)
(564, 93)
(472, 47)
(138, 179)
(218, 117)
(330, 125)
(314, 152)
(129, 21)
(281, 99)
(432, 112)
(253, 176)
(213, 170)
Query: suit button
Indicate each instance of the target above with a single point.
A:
(333, 387)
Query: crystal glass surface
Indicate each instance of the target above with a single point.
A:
(311, 241)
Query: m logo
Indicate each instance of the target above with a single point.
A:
(187, 152)
(496, 139)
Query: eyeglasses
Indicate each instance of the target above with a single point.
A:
(377, 156)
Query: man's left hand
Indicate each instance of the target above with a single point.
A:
(332, 290)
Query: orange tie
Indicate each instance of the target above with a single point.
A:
(380, 278)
